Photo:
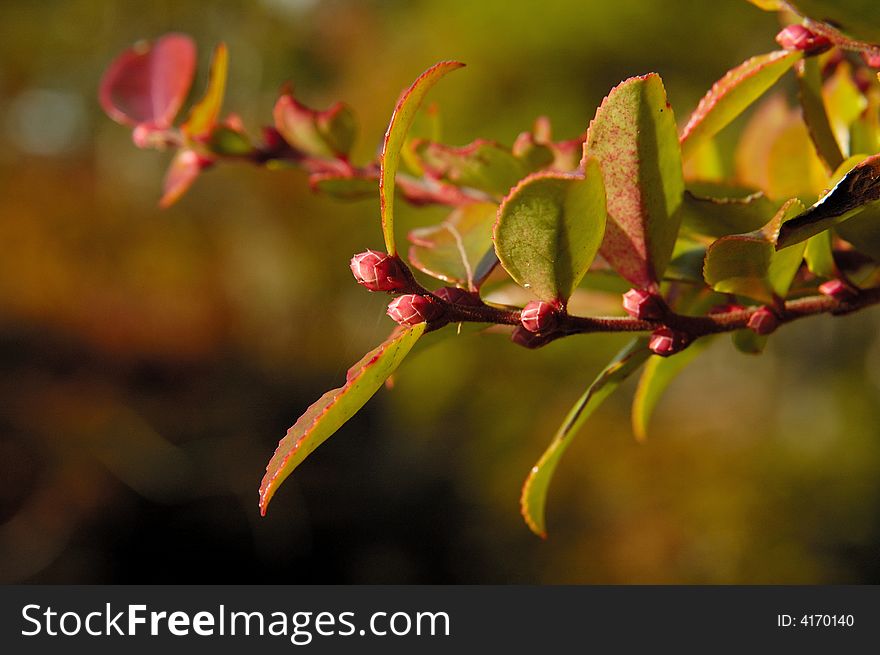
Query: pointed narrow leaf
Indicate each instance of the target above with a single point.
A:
(148, 83)
(860, 186)
(534, 493)
(452, 250)
(658, 374)
(183, 171)
(732, 94)
(549, 229)
(335, 407)
(395, 136)
(748, 264)
(816, 114)
(204, 114)
(633, 136)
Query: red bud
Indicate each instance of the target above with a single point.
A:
(798, 37)
(872, 58)
(837, 289)
(666, 342)
(526, 339)
(539, 316)
(411, 309)
(763, 321)
(378, 271)
(643, 305)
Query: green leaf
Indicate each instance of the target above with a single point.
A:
(338, 128)
(748, 343)
(549, 229)
(818, 255)
(534, 493)
(482, 165)
(658, 375)
(863, 231)
(395, 136)
(426, 126)
(816, 113)
(856, 20)
(633, 136)
(859, 186)
(204, 114)
(226, 141)
(452, 250)
(749, 265)
(732, 94)
(845, 104)
(328, 134)
(719, 215)
(865, 131)
(335, 407)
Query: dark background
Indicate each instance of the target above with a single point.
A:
(150, 360)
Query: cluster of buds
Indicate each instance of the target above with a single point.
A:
(643, 305)
(798, 37)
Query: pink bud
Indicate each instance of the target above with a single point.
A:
(837, 289)
(666, 342)
(798, 37)
(539, 316)
(411, 309)
(763, 321)
(872, 58)
(530, 340)
(457, 296)
(378, 271)
(643, 305)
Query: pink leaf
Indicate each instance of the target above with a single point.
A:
(184, 169)
(148, 83)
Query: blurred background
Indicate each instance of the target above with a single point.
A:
(150, 360)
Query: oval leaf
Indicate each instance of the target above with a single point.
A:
(549, 229)
(720, 214)
(204, 114)
(148, 83)
(748, 264)
(482, 165)
(335, 407)
(633, 136)
(857, 188)
(395, 136)
(534, 494)
(732, 94)
(452, 250)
